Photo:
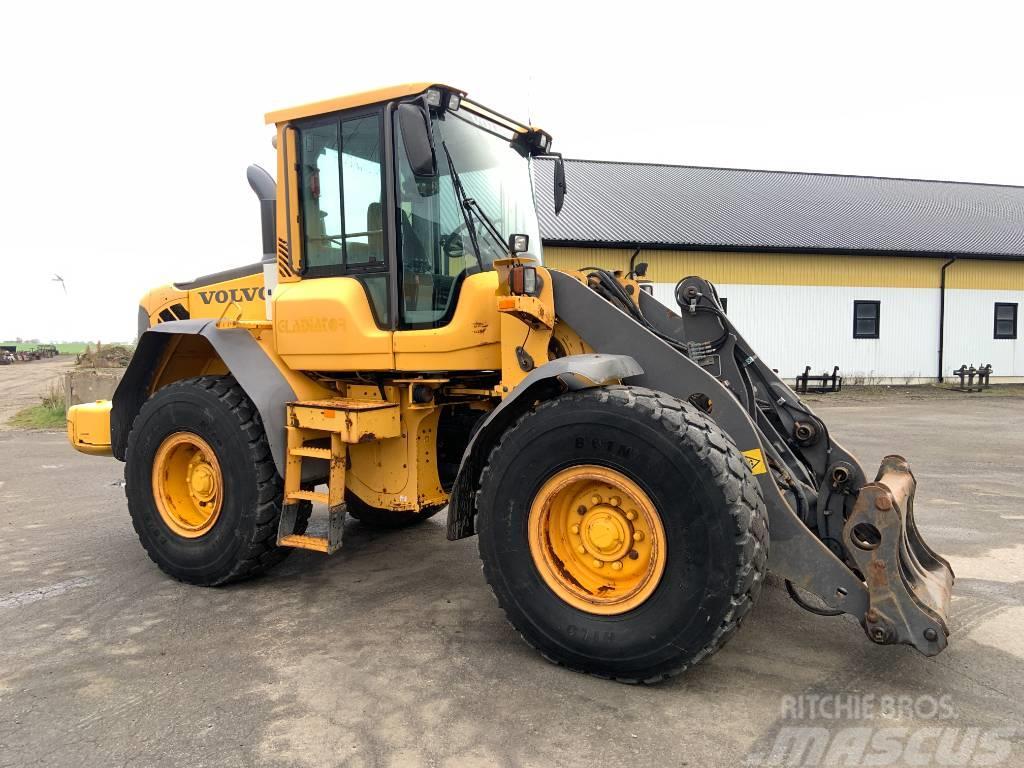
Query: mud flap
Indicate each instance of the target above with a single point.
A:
(909, 585)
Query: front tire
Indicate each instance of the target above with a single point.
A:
(622, 532)
(203, 491)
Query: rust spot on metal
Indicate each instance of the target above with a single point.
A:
(565, 571)
(883, 502)
(878, 577)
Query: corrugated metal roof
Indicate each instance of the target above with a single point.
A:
(665, 206)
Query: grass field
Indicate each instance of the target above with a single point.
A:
(39, 417)
(48, 414)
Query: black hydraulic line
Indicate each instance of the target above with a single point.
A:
(632, 263)
(807, 606)
(615, 289)
(942, 312)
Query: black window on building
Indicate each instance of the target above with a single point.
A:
(1005, 321)
(866, 319)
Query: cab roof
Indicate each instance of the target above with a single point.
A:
(353, 100)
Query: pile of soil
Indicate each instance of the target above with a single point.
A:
(105, 356)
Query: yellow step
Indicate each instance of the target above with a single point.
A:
(323, 498)
(310, 452)
(315, 543)
(356, 421)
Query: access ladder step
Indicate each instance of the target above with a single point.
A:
(301, 541)
(328, 542)
(323, 498)
(307, 424)
(355, 421)
(309, 452)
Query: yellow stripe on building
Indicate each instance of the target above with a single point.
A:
(798, 268)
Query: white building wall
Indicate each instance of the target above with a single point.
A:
(792, 326)
(970, 320)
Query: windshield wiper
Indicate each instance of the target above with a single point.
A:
(470, 206)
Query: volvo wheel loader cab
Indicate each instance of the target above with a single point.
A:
(630, 471)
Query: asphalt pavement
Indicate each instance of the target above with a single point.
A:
(394, 653)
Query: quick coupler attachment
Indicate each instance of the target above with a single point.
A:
(909, 585)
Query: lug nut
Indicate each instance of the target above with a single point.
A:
(575, 529)
(614, 501)
(617, 566)
(638, 535)
(598, 563)
(581, 549)
(931, 635)
(631, 515)
(595, 499)
(581, 510)
(633, 554)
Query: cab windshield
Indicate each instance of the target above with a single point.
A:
(441, 241)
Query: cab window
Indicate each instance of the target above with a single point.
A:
(342, 192)
(440, 240)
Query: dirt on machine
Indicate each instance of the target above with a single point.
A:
(631, 471)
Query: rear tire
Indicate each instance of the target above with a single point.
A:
(386, 519)
(241, 541)
(712, 518)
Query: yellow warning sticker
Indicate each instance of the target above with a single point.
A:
(755, 459)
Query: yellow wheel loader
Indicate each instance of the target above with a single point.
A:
(630, 471)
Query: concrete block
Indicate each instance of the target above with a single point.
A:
(90, 384)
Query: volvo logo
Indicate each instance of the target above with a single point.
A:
(235, 294)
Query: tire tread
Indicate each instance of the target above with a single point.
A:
(729, 471)
(259, 550)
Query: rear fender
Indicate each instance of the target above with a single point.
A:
(257, 374)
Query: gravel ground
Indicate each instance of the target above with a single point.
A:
(393, 651)
(22, 384)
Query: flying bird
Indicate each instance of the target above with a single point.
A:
(58, 279)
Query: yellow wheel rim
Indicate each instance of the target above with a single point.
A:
(597, 540)
(187, 484)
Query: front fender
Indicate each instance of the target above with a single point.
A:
(553, 378)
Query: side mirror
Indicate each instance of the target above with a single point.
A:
(419, 149)
(559, 183)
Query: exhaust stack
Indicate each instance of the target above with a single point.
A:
(265, 187)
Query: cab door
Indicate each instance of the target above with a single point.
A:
(336, 317)
(447, 310)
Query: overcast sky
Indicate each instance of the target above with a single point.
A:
(126, 129)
